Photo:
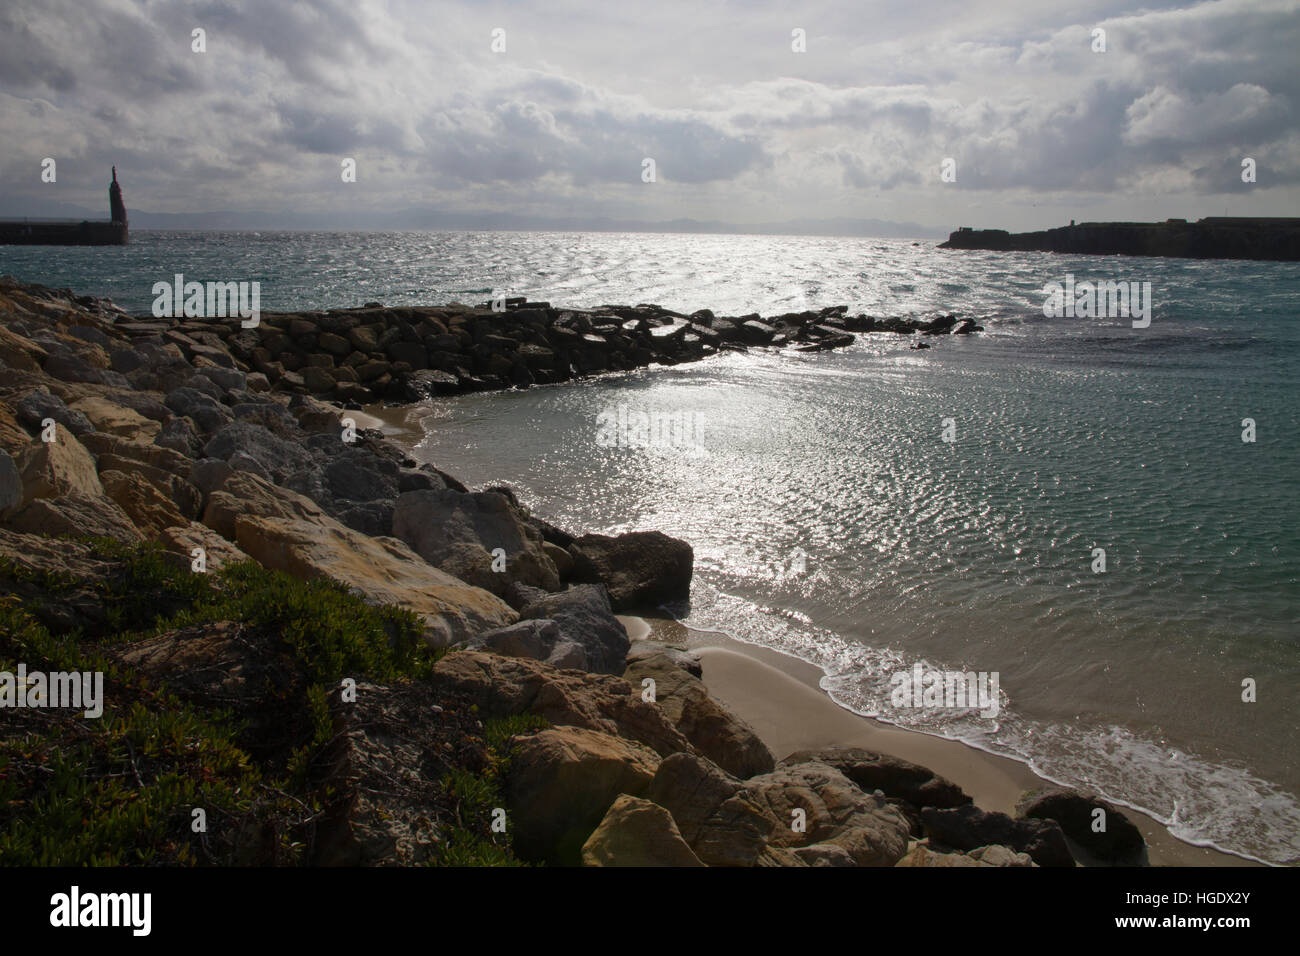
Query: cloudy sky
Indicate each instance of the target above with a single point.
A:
(742, 128)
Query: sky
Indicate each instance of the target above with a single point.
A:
(1040, 126)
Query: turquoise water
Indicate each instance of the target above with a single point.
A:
(1070, 435)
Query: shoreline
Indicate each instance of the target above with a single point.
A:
(779, 696)
(135, 455)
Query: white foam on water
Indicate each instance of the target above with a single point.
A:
(1201, 802)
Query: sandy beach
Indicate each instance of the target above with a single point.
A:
(780, 698)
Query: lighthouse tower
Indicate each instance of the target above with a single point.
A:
(115, 200)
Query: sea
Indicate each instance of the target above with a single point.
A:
(1104, 516)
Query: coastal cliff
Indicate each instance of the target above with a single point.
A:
(1275, 239)
(311, 654)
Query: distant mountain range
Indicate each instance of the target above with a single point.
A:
(420, 219)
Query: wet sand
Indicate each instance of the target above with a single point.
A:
(780, 698)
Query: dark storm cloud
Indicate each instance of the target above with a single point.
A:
(1010, 89)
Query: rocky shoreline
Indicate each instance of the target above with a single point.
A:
(326, 653)
(371, 354)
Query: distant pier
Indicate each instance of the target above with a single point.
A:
(71, 232)
(1216, 237)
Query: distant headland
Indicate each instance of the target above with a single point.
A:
(1216, 237)
(71, 232)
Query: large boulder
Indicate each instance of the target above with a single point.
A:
(149, 509)
(112, 451)
(636, 832)
(585, 618)
(60, 467)
(893, 776)
(968, 827)
(538, 640)
(460, 532)
(562, 782)
(115, 419)
(262, 451)
(183, 540)
(641, 569)
(835, 810)
(688, 661)
(202, 409)
(76, 516)
(505, 686)
(713, 730)
(1104, 833)
(922, 855)
(713, 814)
(34, 408)
(288, 532)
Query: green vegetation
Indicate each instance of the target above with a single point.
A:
(474, 796)
(121, 790)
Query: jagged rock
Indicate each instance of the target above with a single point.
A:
(538, 640)
(713, 731)
(562, 782)
(115, 419)
(827, 854)
(204, 410)
(922, 856)
(179, 435)
(57, 468)
(288, 532)
(34, 408)
(688, 661)
(585, 618)
(112, 451)
(1120, 844)
(272, 454)
(459, 533)
(226, 379)
(75, 515)
(561, 558)
(181, 541)
(1001, 856)
(893, 776)
(716, 819)
(757, 333)
(968, 827)
(836, 811)
(149, 509)
(504, 686)
(636, 832)
(639, 569)
(20, 353)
